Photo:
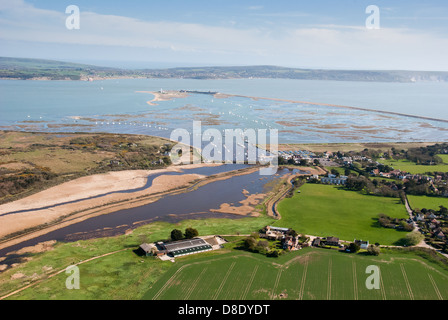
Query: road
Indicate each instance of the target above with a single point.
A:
(422, 244)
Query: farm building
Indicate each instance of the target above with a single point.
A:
(332, 241)
(316, 242)
(291, 243)
(184, 247)
(276, 233)
(170, 250)
(362, 244)
(148, 249)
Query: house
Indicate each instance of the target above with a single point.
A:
(420, 217)
(291, 243)
(332, 241)
(332, 179)
(362, 244)
(316, 242)
(440, 235)
(147, 249)
(274, 233)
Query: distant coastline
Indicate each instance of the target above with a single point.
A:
(172, 94)
(38, 69)
(224, 95)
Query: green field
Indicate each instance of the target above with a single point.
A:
(228, 273)
(123, 275)
(324, 210)
(420, 202)
(413, 168)
(444, 158)
(309, 274)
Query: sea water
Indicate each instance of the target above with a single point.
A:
(119, 106)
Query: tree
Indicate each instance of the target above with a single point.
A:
(412, 239)
(262, 246)
(250, 243)
(335, 172)
(353, 247)
(373, 250)
(176, 235)
(190, 233)
(273, 253)
(292, 233)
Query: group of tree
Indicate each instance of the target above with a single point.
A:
(292, 161)
(411, 239)
(443, 211)
(426, 155)
(373, 250)
(190, 233)
(254, 244)
(395, 223)
(421, 155)
(363, 184)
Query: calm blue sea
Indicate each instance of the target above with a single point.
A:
(116, 106)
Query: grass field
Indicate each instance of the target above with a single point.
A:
(411, 167)
(420, 202)
(324, 210)
(123, 275)
(310, 274)
(444, 158)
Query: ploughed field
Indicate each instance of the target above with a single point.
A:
(308, 274)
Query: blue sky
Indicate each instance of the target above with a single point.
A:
(413, 35)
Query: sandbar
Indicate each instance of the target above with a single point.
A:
(85, 188)
(164, 96)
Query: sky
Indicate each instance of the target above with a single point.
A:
(410, 35)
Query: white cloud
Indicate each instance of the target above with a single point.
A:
(324, 45)
(255, 8)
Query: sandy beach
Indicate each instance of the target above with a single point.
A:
(85, 188)
(164, 96)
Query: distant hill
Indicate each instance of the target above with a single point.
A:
(20, 68)
(294, 73)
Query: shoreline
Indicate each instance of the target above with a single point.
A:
(164, 96)
(75, 214)
(78, 194)
(225, 95)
